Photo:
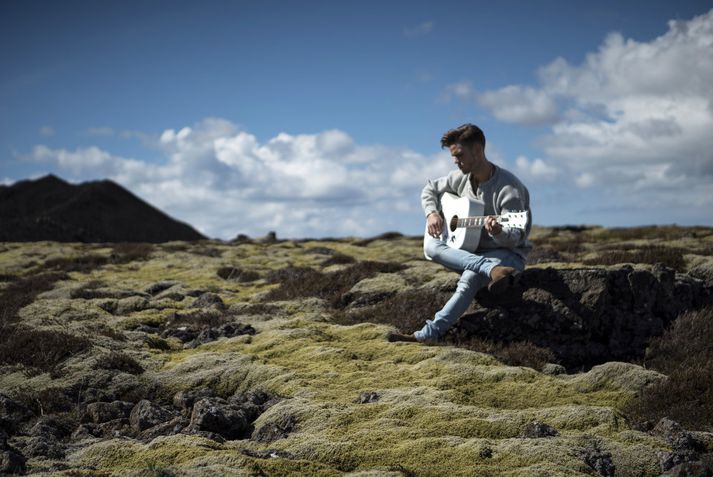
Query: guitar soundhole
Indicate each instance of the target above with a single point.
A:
(454, 223)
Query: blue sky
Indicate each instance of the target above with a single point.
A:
(319, 119)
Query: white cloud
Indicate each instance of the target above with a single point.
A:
(520, 104)
(224, 181)
(635, 118)
(461, 91)
(421, 29)
(536, 170)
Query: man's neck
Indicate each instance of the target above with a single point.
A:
(483, 174)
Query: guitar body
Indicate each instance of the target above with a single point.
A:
(454, 208)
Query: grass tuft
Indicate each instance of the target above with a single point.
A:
(41, 349)
(650, 254)
(119, 361)
(684, 353)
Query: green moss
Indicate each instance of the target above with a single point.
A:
(438, 410)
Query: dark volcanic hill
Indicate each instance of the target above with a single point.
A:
(101, 211)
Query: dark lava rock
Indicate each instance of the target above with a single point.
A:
(50, 426)
(538, 429)
(158, 287)
(12, 414)
(586, 316)
(44, 446)
(685, 447)
(368, 397)
(193, 335)
(184, 400)
(238, 274)
(275, 430)
(85, 431)
(207, 300)
(102, 211)
(599, 460)
(168, 428)
(11, 462)
(690, 469)
(320, 251)
(218, 416)
(232, 418)
(100, 412)
(228, 330)
(147, 414)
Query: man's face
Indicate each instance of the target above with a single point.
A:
(465, 157)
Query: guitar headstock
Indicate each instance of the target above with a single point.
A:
(516, 219)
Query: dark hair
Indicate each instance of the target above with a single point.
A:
(467, 134)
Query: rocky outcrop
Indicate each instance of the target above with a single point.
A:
(586, 316)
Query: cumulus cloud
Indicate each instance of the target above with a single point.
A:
(224, 181)
(520, 104)
(633, 119)
(535, 170)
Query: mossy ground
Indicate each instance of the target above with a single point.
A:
(440, 410)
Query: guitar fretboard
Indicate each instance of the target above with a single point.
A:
(479, 221)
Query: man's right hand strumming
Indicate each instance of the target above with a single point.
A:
(435, 224)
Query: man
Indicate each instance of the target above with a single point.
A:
(502, 251)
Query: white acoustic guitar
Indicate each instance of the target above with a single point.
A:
(463, 220)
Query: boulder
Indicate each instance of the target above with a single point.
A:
(207, 300)
(100, 412)
(586, 316)
(11, 462)
(218, 416)
(146, 414)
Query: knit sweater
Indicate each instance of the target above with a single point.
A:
(503, 192)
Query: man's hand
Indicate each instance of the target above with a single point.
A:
(492, 226)
(434, 222)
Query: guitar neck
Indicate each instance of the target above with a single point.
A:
(473, 222)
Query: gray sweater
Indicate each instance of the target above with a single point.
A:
(503, 192)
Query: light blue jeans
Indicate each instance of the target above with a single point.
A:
(475, 274)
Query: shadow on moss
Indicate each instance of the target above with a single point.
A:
(406, 311)
(299, 282)
(518, 353)
(684, 353)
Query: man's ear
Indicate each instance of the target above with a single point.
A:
(477, 149)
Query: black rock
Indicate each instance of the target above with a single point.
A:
(599, 460)
(100, 412)
(12, 414)
(368, 397)
(217, 415)
(11, 462)
(275, 430)
(146, 414)
(586, 316)
(44, 446)
(184, 400)
(538, 429)
(207, 300)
